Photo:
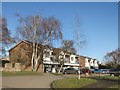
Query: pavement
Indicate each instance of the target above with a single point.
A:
(42, 81)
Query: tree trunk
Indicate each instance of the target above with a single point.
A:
(33, 55)
(36, 62)
(36, 57)
(60, 69)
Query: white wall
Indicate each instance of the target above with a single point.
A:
(47, 59)
(96, 64)
(91, 62)
(74, 59)
(87, 63)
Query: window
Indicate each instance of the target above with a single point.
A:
(71, 58)
(52, 53)
(76, 62)
(67, 58)
(47, 54)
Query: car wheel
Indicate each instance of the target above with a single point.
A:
(76, 73)
(112, 75)
(65, 72)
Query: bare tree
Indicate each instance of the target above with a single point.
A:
(80, 42)
(5, 36)
(68, 45)
(38, 30)
(59, 57)
(113, 58)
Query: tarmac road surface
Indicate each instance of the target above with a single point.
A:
(42, 81)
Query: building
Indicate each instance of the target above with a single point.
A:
(21, 53)
(3, 61)
(87, 62)
(52, 58)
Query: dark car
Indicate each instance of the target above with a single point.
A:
(115, 72)
(70, 71)
(98, 71)
(86, 71)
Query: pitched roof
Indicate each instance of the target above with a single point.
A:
(55, 50)
(19, 43)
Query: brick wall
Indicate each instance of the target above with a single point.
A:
(82, 62)
(20, 54)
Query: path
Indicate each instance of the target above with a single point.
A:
(43, 81)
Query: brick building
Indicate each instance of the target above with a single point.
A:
(21, 53)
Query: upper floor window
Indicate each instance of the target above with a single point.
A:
(47, 54)
(76, 62)
(52, 53)
(72, 59)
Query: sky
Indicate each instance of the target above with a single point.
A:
(98, 22)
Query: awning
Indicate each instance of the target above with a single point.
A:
(72, 64)
(52, 63)
(67, 64)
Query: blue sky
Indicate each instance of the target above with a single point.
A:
(99, 22)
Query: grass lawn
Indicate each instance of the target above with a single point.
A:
(20, 73)
(57, 74)
(72, 83)
(0, 73)
(108, 77)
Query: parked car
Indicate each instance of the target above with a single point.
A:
(70, 71)
(80, 71)
(92, 70)
(97, 71)
(105, 71)
(86, 71)
(115, 72)
(47, 70)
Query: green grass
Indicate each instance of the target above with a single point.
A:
(0, 73)
(57, 74)
(20, 73)
(72, 83)
(108, 77)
